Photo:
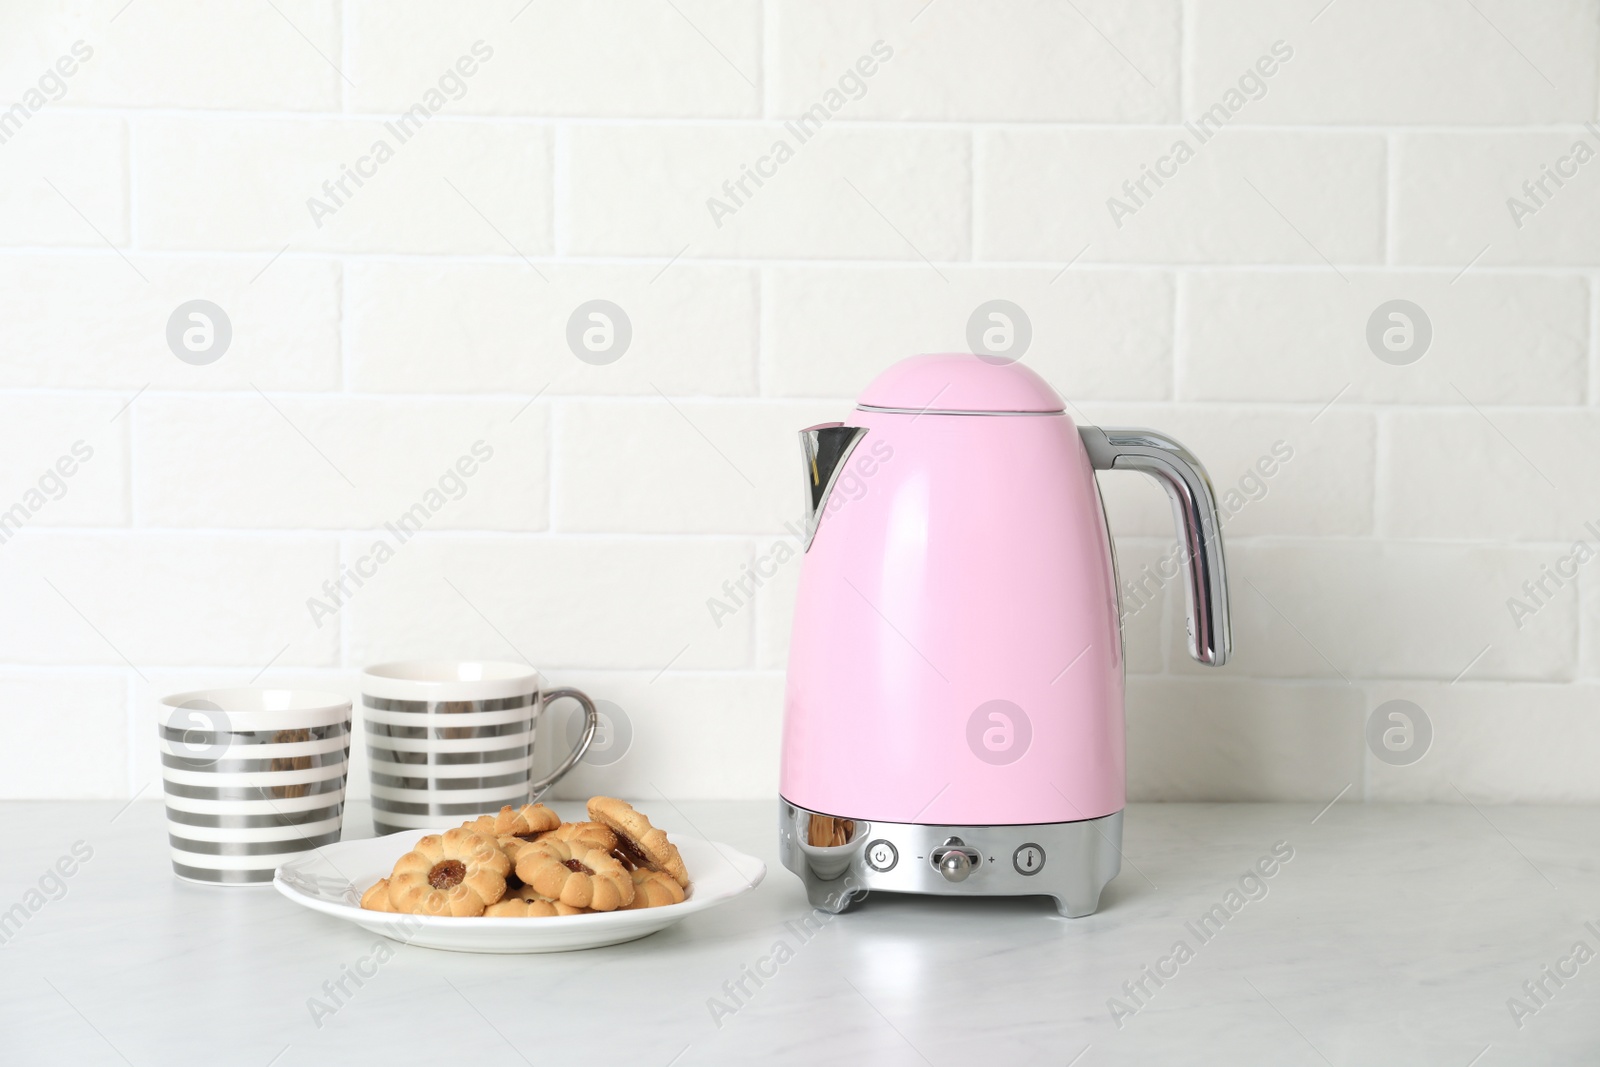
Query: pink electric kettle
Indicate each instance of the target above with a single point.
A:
(953, 718)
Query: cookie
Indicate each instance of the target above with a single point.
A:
(524, 903)
(641, 844)
(376, 898)
(653, 889)
(589, 834)
(511, 846)
(572, 874)
(526, 822)
(459, 872)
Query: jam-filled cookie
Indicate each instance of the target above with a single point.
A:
(584, 835)
(653, 889)
(459, 872)
(588, 834)
(524, 903)
(572, 874)
(639, 843)
(511, 846)
(526, 822)
(376, 898)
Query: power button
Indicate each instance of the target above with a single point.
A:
(1028, 859)
(881, 856)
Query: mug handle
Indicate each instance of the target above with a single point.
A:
(591, 717)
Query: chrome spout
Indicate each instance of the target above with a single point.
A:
(824, 449)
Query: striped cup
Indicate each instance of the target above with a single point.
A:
(449, 740)
(252, 776)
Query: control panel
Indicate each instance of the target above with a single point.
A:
(1070, 861)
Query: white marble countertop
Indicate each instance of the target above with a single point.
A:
(1395, 935)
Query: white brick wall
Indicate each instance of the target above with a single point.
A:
(570, 158)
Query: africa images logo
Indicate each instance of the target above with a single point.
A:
(1252, 85)
(47, 89)
(851, 85)
(452, 85)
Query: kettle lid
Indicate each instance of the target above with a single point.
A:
(960, 382)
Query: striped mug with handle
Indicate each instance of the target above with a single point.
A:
(449, 739)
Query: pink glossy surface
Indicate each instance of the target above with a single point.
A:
(960, 381)
(964, 560)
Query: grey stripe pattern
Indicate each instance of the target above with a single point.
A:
(250, 737)
(448, 759)
(415, 767)
(425, 808)
(277, 820)
(252, 876)
(516, 778)
(449, 707)
(239, 802)
(246, 766)
(443, 733)
(252, 848)
(264, 794)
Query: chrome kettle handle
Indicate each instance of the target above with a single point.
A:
(1194, 506)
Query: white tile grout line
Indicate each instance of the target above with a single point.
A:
(1391, 200)
(130, 714)
(652, 262)
(346, 353)
(655, 260)
(1185, 60)
(1596, 115)
(345, 10)
(1593, 391)
(342, 654)
(555, 416)
(1380, 476)
(1169, 619)
(642, 120)
(766, 102)
(1584, 593)
(1585, 584)
(644, 673)
(131, 162)
(1177, 349)
(759, 329)
(1287, 409)
(972, 196)
(753, 622)
(479, 534)
(119, 671)
(561, 191)
(131, 483)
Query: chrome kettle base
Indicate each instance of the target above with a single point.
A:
(1070, 862)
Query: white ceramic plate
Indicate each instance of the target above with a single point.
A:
(331, 879)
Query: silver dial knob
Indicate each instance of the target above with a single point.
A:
(955, 866)
(954, 860)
